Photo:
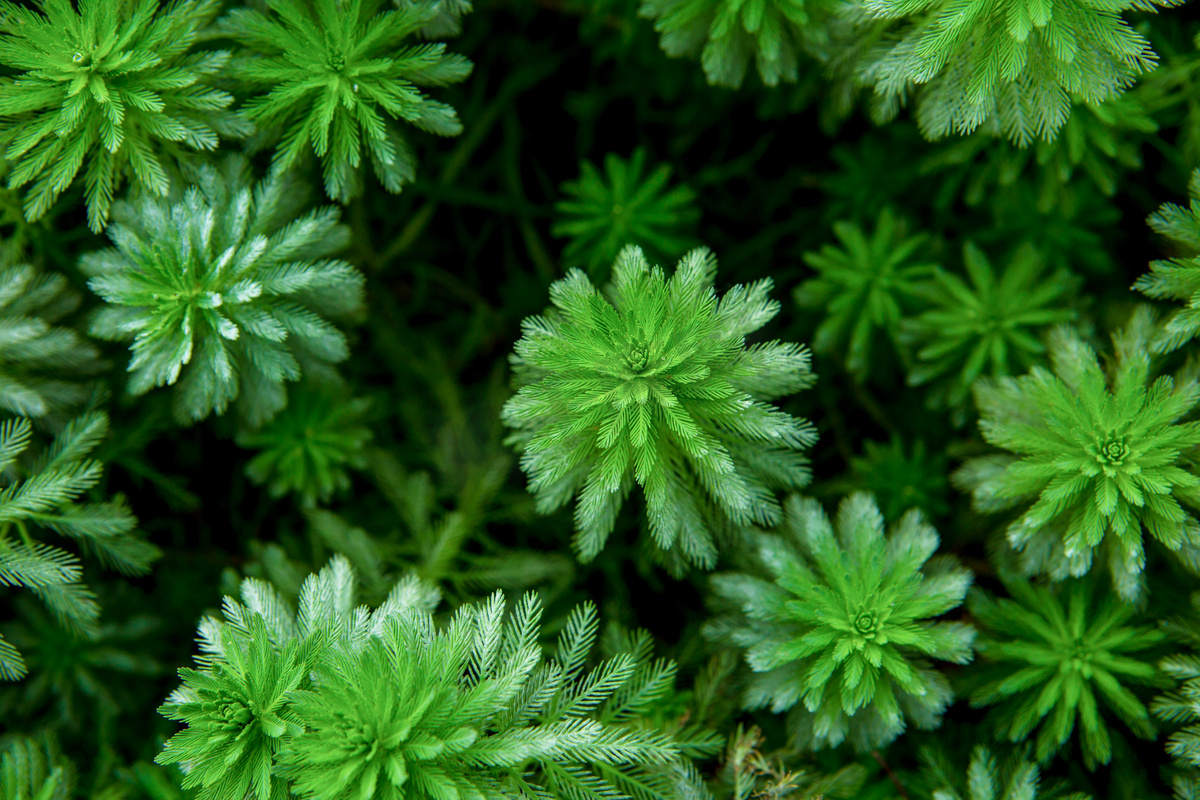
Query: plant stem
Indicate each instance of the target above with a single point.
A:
(891, 775)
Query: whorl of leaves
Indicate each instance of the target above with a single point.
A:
(729, 34)
(840, 631)
(41, 495)
(1020, 64)
(1093, 457)
(652, 383)
(307, 447)
(107, 87)
(863, 287)
(602, 213)
(1057, 658)
(226, 290)
(334, 701)
(991, 326)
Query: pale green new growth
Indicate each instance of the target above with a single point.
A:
(652, 383)
(1179, 277)
(42, 496)
(987, 778)
(728, 34)
(336, 702)
(40, 362)
(1094, 457)
(840, 632)
(1017, 63)
(333, 76)
(106, 87)
(1056, 656)
(226, 290)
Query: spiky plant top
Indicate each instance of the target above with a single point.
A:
(308, 447)
(1177, 278)
(988, 777)
(226, 290)
(652, 383)
(1053, 658)
(626, 205)
(336, 701)
(863, 287)
(991, 326)
(107, 87)
(333, 76)
(35, 768)
(840, 631)
(1017, 64)
(1094, 457)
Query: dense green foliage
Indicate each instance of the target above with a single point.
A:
(106, 88)
(1095, 456)
(839, 632)
(599, 399)
(331, 76)
(654, 384)
(40, 496)
(383, 704)
(1053, 658)
(224, 288)
(603, 213)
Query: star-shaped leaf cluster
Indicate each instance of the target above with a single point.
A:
(308, 447)
(226, 290)
(1093, 456)
(603, 213)
(841, 630)
(863, 287)
(1053, 658)
(335, 77)
(990, 326)
(652, 383)
(729, 34)
(1017, 64)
